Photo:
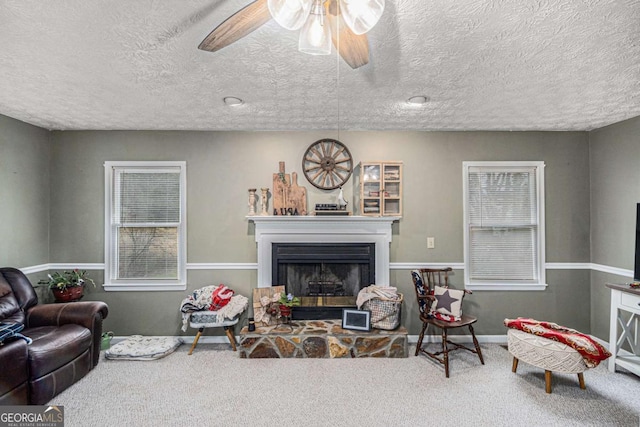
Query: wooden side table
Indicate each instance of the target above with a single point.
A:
(624, 299)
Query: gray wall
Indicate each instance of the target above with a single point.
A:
(24, 191)
(221, 166)
(53, 184)
(615, 191)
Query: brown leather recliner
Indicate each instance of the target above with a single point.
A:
(66, 342)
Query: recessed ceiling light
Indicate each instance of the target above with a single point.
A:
(233, 101)
(421, 99)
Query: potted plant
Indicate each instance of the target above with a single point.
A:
(68, 285)
(286, 302)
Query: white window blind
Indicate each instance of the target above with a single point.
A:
(503, 224)
(146, 230)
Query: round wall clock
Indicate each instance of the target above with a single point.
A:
(327, 164)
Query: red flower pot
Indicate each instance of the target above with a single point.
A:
(285, 311)
(68, 294)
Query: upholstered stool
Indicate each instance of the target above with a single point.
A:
(552, 356)
(209, 319)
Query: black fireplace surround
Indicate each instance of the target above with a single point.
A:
(326, 276)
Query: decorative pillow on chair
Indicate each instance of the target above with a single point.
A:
(447, 305)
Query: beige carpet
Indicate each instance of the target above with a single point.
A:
(213, 387)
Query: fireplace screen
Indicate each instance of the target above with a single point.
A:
(327, 275)
(324, 278)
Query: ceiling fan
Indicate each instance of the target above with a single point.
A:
(349, 21)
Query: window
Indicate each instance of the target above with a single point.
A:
(145, 230)
(504, 225)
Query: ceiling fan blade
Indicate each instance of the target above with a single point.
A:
(353, 48)
(238, 25)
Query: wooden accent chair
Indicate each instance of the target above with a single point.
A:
(425, 281)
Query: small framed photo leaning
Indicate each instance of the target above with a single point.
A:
(358, 320)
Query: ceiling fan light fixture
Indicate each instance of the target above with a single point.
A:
(361, 15)
(290, 14)
(315, 35)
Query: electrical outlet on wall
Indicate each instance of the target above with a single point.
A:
(431, 242)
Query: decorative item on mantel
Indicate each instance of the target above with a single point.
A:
(342, 203)
(339, 208)
(288, 197)
(263, 201)
(327, 164)
(252, 201)
(67, 286)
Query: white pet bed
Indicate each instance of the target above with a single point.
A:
(137, 347)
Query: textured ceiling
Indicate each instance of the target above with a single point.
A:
(484, 64)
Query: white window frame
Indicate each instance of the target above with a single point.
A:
(110, 282)
(506, 166)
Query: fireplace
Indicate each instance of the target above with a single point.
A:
(335, 234)
(326, 276)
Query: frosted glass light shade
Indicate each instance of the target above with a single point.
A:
(315, 35)
(361, 15)
(290, 14)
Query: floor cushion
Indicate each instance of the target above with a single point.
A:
(138, 347)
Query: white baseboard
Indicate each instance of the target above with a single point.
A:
(482, 339)
(187, 339)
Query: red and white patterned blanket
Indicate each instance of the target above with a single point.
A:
(591, 351)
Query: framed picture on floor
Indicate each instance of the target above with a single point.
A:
(358, 320)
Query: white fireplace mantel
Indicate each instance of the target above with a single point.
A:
(322, 229)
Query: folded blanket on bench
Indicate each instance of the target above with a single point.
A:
(591, 351)
(202, 299)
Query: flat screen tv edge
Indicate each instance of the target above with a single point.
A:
(636, 268)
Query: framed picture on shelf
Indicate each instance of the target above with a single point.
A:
(358, 320)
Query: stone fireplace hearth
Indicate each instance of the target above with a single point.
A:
(320, 339)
